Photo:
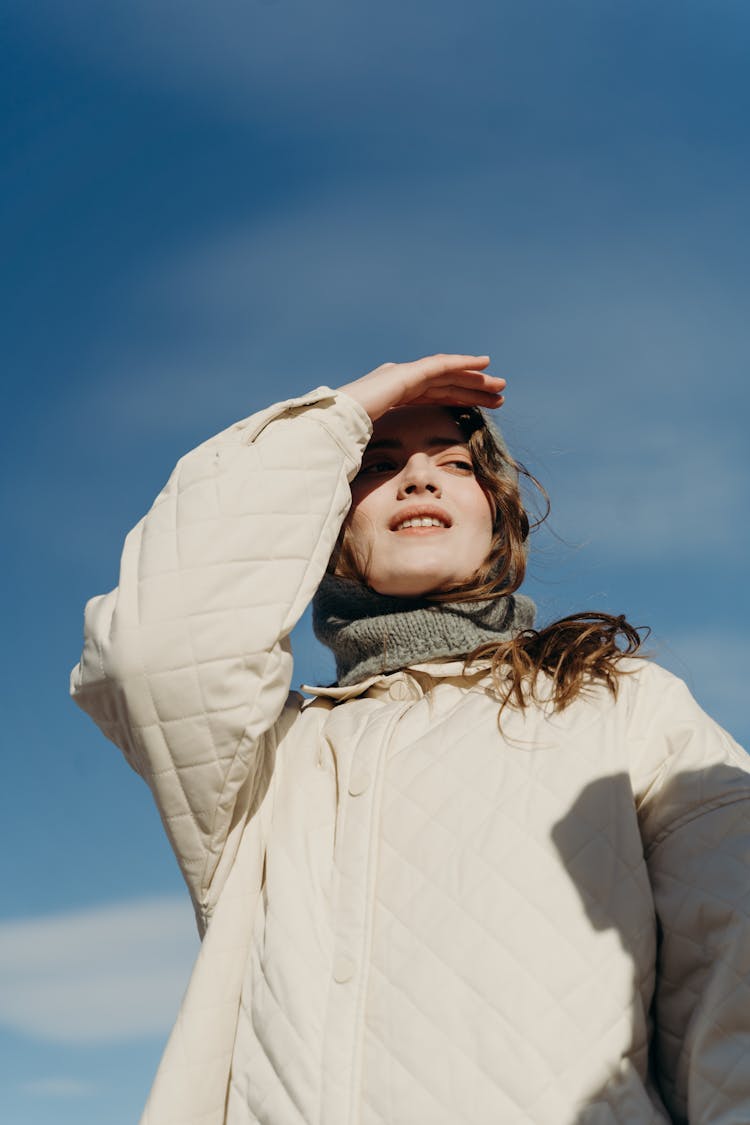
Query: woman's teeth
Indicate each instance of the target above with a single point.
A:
(425, 521)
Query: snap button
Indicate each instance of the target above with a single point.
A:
(399, 691)
(343, 968)
(359, 782)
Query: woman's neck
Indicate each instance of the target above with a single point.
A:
(371, 633)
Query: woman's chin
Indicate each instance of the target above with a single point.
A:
(416, 585)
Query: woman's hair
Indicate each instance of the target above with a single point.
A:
(577, 650)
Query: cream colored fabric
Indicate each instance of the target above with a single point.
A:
(412, 917)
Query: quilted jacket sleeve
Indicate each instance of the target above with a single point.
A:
(695, 821)
(187, 664)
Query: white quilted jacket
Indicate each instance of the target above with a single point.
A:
(411, 917)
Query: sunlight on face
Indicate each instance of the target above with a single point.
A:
(419, 520)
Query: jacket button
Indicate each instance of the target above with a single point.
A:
(343, 968)
(358, 783)
(399, 691)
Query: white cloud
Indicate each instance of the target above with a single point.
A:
(101, 974)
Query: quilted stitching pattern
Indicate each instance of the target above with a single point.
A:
(453, 925)
(470, 909)
(484, 987)
(185, 665)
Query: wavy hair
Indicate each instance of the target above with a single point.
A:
(578, 650)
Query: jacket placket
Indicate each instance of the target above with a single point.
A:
(356, 863)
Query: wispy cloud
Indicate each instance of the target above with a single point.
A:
(100, 974)
(281, 59)
(256, 58)
(623, 446)
(333, 279)
(286, 49)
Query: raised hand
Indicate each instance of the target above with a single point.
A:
(435, 380)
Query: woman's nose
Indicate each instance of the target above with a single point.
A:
(418, 476)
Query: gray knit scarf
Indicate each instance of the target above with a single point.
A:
(371, 633)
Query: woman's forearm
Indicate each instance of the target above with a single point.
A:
(186, 664)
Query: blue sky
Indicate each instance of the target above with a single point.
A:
(207, 208)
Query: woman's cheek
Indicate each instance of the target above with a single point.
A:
(362, 539)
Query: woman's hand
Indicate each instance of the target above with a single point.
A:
(435, 380)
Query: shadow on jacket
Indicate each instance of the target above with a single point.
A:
(696, 847)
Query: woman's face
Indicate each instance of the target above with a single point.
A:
(419, 520)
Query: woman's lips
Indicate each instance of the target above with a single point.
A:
(421, 517)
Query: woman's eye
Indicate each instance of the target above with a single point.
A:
(378, 467)
(462, 466)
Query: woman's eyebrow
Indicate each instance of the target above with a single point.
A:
(394, 443)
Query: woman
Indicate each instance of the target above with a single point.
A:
(512, 889)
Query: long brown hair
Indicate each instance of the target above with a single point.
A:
(577, 650)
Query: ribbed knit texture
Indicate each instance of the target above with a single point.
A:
(371, 633)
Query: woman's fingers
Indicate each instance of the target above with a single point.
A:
(435, 364)
(442, 378)
(453, 370)
(441, 368)
(458, 395)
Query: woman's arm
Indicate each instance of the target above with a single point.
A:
(695, 821)
(186, 665)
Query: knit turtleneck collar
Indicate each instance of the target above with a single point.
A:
(371, 633)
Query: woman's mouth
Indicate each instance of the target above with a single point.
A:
(421, 523)
(420, 518)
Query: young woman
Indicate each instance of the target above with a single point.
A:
(512, 889)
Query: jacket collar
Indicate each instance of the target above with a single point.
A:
(435, 669)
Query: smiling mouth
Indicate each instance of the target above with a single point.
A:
(423, 523)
